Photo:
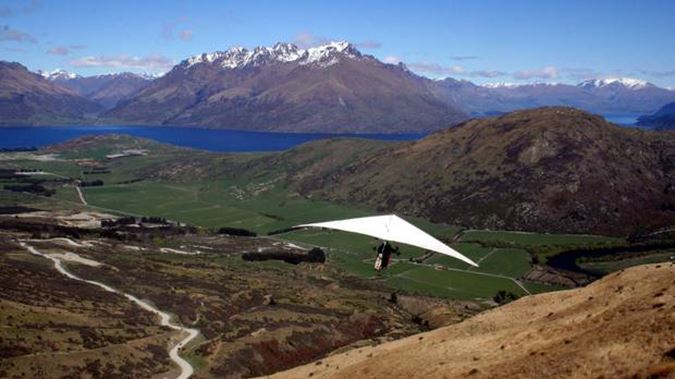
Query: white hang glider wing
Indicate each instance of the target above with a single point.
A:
(391, 228)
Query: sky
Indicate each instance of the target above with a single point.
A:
(483, 41)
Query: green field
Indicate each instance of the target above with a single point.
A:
(262, 205)
(354, 254)
(541, 245)
(214, 205)
(527, 238)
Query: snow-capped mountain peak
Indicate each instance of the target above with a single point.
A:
(58, 74)
(239, 57)
(326, 54)
(631, 83)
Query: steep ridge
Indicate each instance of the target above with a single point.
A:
(620, 326)
(547, 169)
(330, 88)
(27, 98)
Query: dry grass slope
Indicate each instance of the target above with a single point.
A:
(620, 326)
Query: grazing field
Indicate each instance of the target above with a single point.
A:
(541, 245)
(527, 238)
(454, 284)
(437, 276)
(196, 188)
(216, 204)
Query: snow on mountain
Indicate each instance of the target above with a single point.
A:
(142, 75)
(501, 85)
(58, 74)
(631, 83)
(239, 57)
(517, 85)
(63, 75)
(151, 75)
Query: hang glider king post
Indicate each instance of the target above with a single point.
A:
(390, 228)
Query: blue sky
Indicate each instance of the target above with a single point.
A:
(481, 41)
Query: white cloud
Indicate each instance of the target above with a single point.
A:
(661, 74)
(436, 69)
(6, 12)
(306, 39)
(32, 6)
(391, 59)
(169, 30)
(13, 35)
(547, 72)
(151, 62)
(59, 50)
(185, 35)
(14, 49)
(487, 73)
(463, 57)
(368, 44)
(64, 50)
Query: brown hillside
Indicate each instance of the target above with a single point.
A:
(620, 326)
(546, 169)
(27, 98)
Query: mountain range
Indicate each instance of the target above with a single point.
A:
(603, 96)
(106, 90)
(329, 88)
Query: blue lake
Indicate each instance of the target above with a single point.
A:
(622, 119)
(206, 139)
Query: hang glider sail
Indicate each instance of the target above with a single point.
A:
(391, 228)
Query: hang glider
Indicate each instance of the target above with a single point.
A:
(391, 228)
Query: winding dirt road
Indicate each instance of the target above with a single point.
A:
(186, 369)
(81, 195)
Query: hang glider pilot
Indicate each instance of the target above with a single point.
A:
(384, 252)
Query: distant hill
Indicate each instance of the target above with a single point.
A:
(663, 119)
(617, 327)
(27, 98)
(106, 90)
(547, 169)
(330, 88)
